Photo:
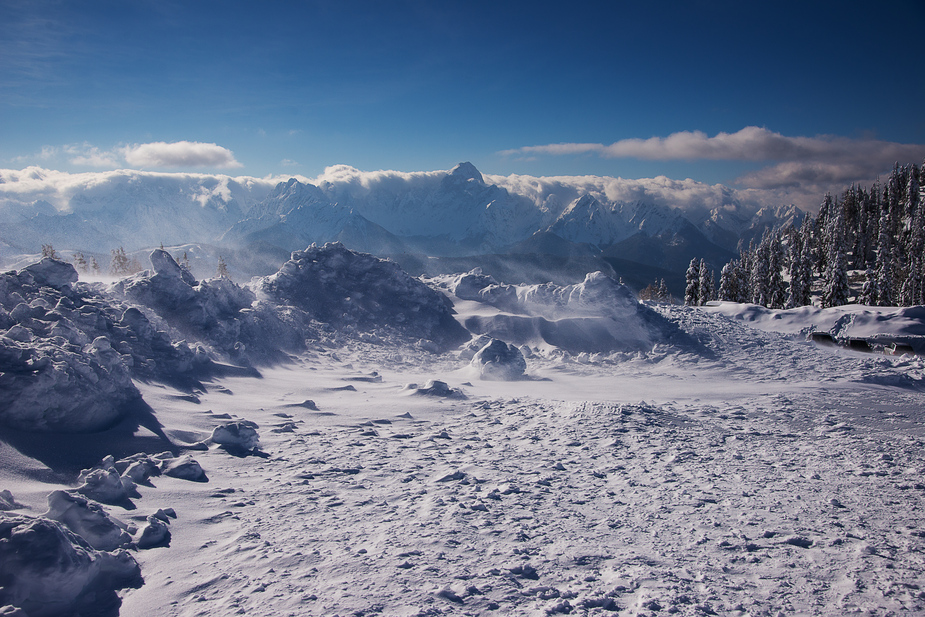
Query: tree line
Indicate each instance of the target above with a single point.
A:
(876, 231)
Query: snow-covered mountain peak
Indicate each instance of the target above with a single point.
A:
(467, 171)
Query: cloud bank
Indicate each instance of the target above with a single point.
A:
(179, 154)
(803, 165)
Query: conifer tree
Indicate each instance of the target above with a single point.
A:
(869, 293)
(222, 270)
(692, 284)
(80, 262)
(835, 290)
(758, 277)
(884, 263)
(663, 294)
(705, 292)
(120, 264)
(729, 282)
(49, 251)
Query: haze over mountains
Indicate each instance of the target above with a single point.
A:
(657, 223)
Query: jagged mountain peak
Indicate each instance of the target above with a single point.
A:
(467, 171)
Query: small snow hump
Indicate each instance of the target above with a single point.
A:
(498, 361)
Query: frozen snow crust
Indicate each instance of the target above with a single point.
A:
(356, 292)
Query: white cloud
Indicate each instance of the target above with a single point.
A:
(179, 154)
(751, 143)
(86, 155)
(804, 169)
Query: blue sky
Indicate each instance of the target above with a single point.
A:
(783, 96)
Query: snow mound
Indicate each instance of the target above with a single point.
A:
(239, 434)
(596, 315)
(58, 368)
(435, 388)
(88, 520)
(498, 361)
(47, 570)
(358, 292)
(217, 312)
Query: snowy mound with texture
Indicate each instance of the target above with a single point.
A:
(216, 312)
(47, 570)
(498, 361)
(58, 367)
(596, 315)
(358, 292)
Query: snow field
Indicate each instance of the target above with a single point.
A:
(750, 501)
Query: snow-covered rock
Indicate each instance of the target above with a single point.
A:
(597, 315)
(154, 534)
(182, 467)
(498, 361)
(88, 520)
(49, 571)
(239, 434)
(58, 368)
(357, 291)
(217, 312)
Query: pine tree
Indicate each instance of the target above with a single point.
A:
(80, 263)
(49, 251)
(869, 293)
(120, 264)
(94, 265)
(663, 294)
(795, 291)
(692, 284)
(759, 276)
(729, 282)
(222, 269)
(884, 263)
(777, 292)
(705, 291)
(835, 291)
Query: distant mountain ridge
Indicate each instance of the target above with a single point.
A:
(446, 213)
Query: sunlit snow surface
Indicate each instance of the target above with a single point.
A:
(745, 472)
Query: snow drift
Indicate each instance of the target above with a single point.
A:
(596, 315)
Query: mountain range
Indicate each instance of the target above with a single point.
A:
(456, 218)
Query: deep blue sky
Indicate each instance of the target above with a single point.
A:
(292, 87)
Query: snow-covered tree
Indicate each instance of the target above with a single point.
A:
(835, 290)
(80, 262)
(885, 259)
(869, 293)
(49, 251)
(663, 294)
(730, 282)
(706, 288)
(222, 270)
(119, 263)
(692, 284)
